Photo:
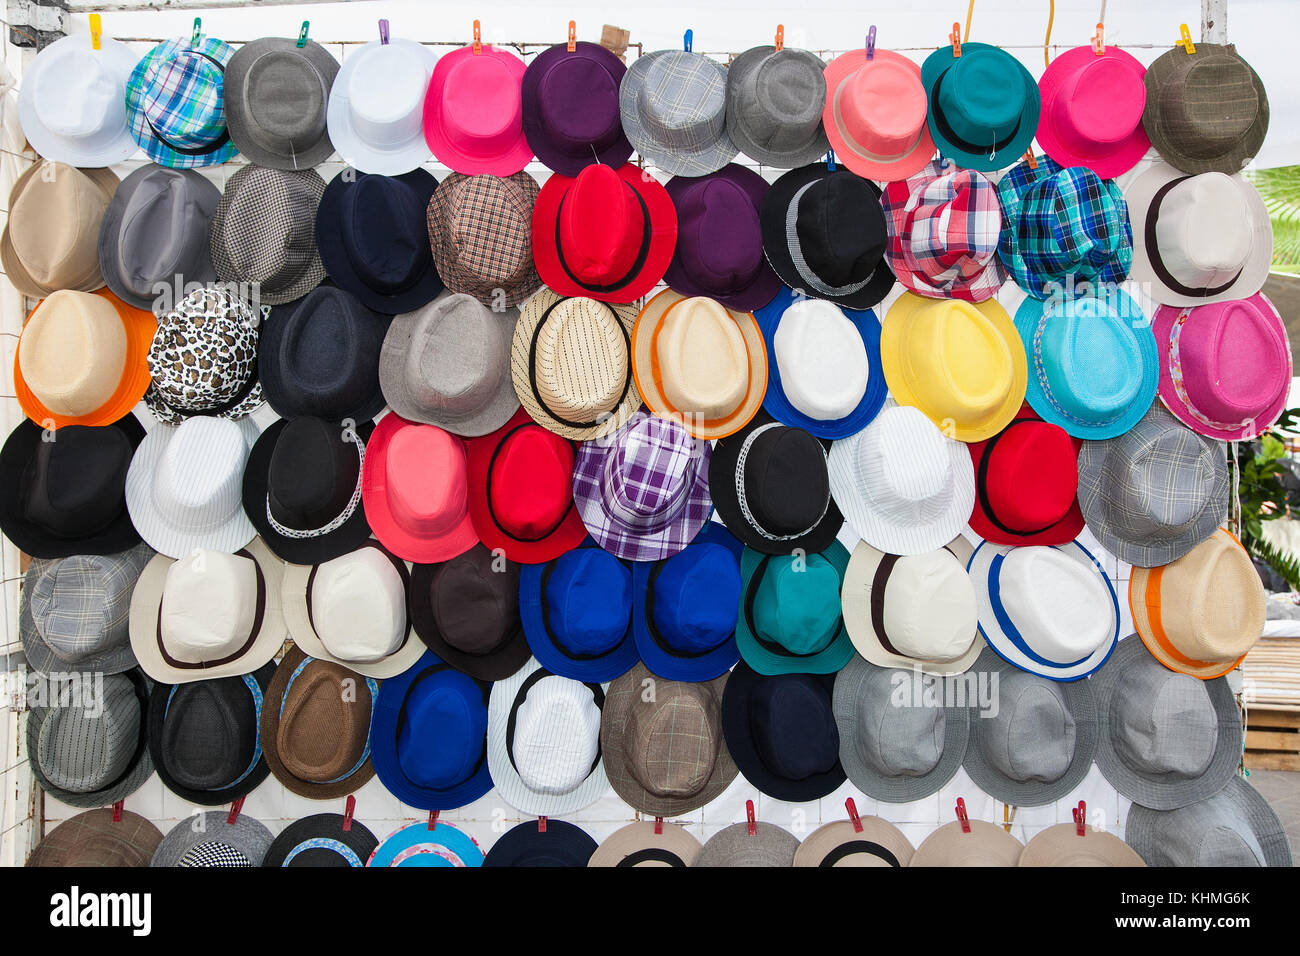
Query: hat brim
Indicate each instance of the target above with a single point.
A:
(838, 72)
(738, 73)
(1111, 159)
(355, 837)
(1061, 844)
(96, 831)
(985, 840)
(250, 837)
(676, 160)
(240, 122)
(443, 142)
(553, 155)
(832, 842)
(396, 159)
(446, 846)
(528, 844)
(1142, 623)
(1142, 826)
(769, 845)
(639, 844)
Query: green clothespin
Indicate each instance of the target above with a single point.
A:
(197, 32)
(302, 34)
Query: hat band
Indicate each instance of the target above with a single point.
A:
(651, 854)
(743, 500)
(1151, 600)
(397, 563)
(253, 632)
(1153, 250)
(597, 694)
(206, 149)
(1180, 388)
(547, 571)
(948, 133)
(879, 582)
(428, 672)
(488, 490)
(981, 485)
(854, 847)
(372, 686)
(1040, 371)
(637, 265)
(256, 690)
(796, 252)
(340, 519)
(325, 843)
(532, 366)
(1009, 629)
(750, 592)
(652, 626)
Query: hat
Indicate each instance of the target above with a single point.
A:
(1155, 492)
(322, 839)
(208, 615)
(769, 845)
(913, 611)
(376, 105)
(154, 237)
(647, 844)
(473, 111)
(545, 742)
(667, 755)
(824, 234)
(480, 231)
(374, 238)
(1234, 827)
(1205, 111)
(570, 107)
(66, 497)
(204, 741)
(699, 363)
(774, 106)
(902, 485)
(542, 843)
(1198, 239)
(1225, 368)
(466, 610)
(72, 105)
(1093, 362)
(276, 93)
(571, 364)
(82, 359)
(95, 838)
(521, 491)
(790, 618)
(875, 114)
(1165, 739)
(1063, 845)
(1202, 613)
(352, 611)
(984, 105)
(418, 844)
(175, 102)
(673, 106)
(866, 841)
(1092, 110)
(985, 845)
(315, 727)
(606, 233)
(183, 486)
(210, 839)
(684, 607)
(87, 738)
(944, 224)
(429, 736)
(899, 750)
(1026, 483)
(203, 360)
(74, 611)
(51, 237)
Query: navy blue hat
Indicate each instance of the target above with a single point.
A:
(428, 738)
(577, 614)
(322, 840)
(686, 606)
(560, 844)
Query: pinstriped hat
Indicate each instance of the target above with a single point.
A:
(673, 105)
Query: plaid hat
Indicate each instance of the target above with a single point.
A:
(1234, 827)
(673, 104)
(175, 103)
(94, 838)
(768, 845)
(210, 839)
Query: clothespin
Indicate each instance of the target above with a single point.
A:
(383, 32)
(688, 40)
(1030, 158)
(749, 815)
(1080, 814)
(871, 42)
(955, 37)
(96, 31)
(478, 38)
(830, 160)
(433, 819)
(302, 34)
(1008, 816)
(962, 817)
(235, 808)
(541, 824)
(117, 807)
(348, 809)
(659, 826)
(856, 820)
(780, 37)
(196, 32)
(1099, 40)
(573, 36)
(1186, 41)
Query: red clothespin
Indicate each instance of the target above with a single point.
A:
(117, 811)
(962, 817)
(955, 37)
(856, 820)
(1099, 40)
(433, 819)
(383, 32)
(235, 808)
(1080, 814)
(780, 37)
(541, 824)
(871, 42)
(348, 808)
(1030, 158)
(749, 814)
(478, 38)
(573, 35)
(659, 826)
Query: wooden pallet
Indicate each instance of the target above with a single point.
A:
(1272, 739)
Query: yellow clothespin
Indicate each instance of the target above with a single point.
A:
(1099, 40)
(573, 36)
(478, 38)
(780, 37)
(955, 37)
(1186, 41)
(96, 31)
(1008, 816)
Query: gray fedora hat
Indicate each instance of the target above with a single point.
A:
(768, 845)
(1235, 827)
(673, 105)
(276, 94)
(896, 753)
(1165, 740)
(209, 839)
(775, 100)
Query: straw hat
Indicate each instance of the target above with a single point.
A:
(647, 844)
(1063, 845)
(985, 845)
(868, 841)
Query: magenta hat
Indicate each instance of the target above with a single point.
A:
(1092, 110)
(875, 115)
(1225, 368)
(473, 112)
(571, 115)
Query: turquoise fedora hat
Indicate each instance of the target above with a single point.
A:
(1093, 362)
(983, 105)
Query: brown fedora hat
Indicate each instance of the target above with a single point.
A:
(94, 839)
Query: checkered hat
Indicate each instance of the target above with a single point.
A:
(210, 839)
(175, 103)
(673, 106)
(944, 224)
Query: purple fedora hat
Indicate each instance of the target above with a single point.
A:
(719, 240)
(571, 115)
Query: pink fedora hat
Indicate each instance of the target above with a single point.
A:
(473, 112)
(415, 491)
(875, 114)
(1225, 368)
(1092, 110)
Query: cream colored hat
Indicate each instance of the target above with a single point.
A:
(73, 353)
(872, 842)
(985, 845)
(1061, 845)
(641, 844)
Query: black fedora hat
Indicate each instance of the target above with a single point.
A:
(542, 843)
(322, 839)
(302, 488)
(67, 496)
(785, 487)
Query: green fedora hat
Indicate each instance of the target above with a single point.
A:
(983, 105)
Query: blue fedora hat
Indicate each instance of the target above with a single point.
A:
(428, 737)
(419, 844)
(534, 843)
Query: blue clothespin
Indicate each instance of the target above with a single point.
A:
(871, 42)
(302, 34)
(830, 161)
(196, 32)
(689, 40)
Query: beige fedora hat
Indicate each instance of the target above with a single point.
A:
(872, 841)
(985, 845)
(647, 843)
(1062, 845)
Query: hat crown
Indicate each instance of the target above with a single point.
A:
(704, 358)
(929, 607)
(719, 241)
(581, 359)
(656, 730)
(1061, 606)
(481, 103)
(778, 104)
(385, 92)
(332, 322)
(73, 352)
(264, 232)
(1032, 736)
(456, 215)
(1101, 104)
(948, 223)
(457, 357)
(1203, 238)
(557, 735)
(194, 77)
(80, 605)
(682, 101)
(205, 351)
(839, 226)
(982, 96)
(957, 361)
(476, 606)
(919, 488)
(210, 732)
(445, 732)
(882, 108)
(386, 233)
(794, 727)
(210, 606)
(54, 222)
(1031, 475)
(601, 227)
(163, 230)
(358, 606)
(324, 722)
(197, 485)
(1210, 602)
(647, 479)
(798, 607)
(1088, 358)
(1232, 360)
(426, 474)
(588, 598)
(313, 474)
(822, 359)
(1164, 723)
(1057, 239)
(696, 596)
(786, 481)
(80, 96)
(1216, 104)
(579, 78)
(530, 484)
(898, 739)
(1187, 463)
(81, 748)
(284, 97)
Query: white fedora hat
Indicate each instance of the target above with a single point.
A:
(376, 109)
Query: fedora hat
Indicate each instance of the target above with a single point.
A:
(417, 844)
(352, 611)
(545, 743)
(1225, 368)
(1234, 827)
(51, 237)
(902, 486)
(774, 106)
(606, 233)
(1155, 492)
(864, 841)
(320, 840)
(875, 114)
(1063, 845)
(1205, 111)
(542, 843)
(82, 359)
(315, 727)
(647, 844)
(571, 364)
(666, 756)
(767, 845)
(974, 843)
(276, 93)
(376, 105)
(1165, 739)
(674, 105)
(984, 105)
(212, 840)
(1092, 110)
(302, 488)
(67, 497)
(570, 107)
(913, 611)
(208, 615)
(521, 491)
(183, 486)
(175, 102)
(1202, 613)
(473, 111)
(98, 838)
(699, 363)
(373, 237)
(824, 234)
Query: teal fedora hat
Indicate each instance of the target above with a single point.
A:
(790, 619)
(984, 105)
(1093, 362)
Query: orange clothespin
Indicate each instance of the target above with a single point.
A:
(962, 817)
(478, 38)
(573, 35)
(1186, 41)
(955, 37)
(1030, 158)
(856, 820)
(96, 31)
(780, 37)
(1099, 40)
